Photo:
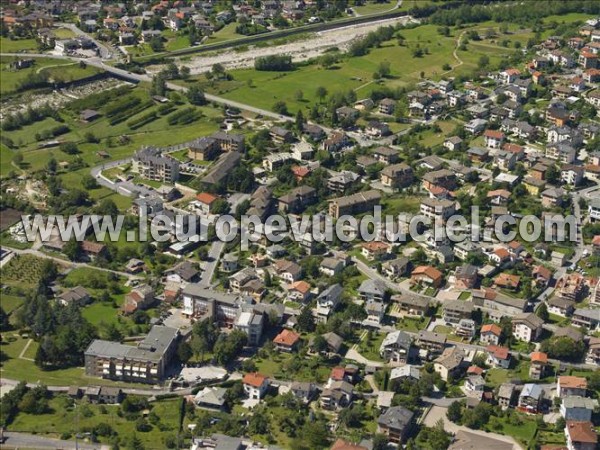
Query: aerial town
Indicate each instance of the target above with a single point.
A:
(169, 116)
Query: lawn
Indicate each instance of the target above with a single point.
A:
(373, 8)
(412, 324)
(224, 34)
(63, 33)
(64, 417)
(370, 348)
(10, 302)
(277, 366)
(10, 78)
(523, 432)
(396, 205)
(17, 45)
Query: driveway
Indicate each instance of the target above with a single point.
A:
(437, 413)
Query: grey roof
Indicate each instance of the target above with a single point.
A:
(152, 348)
(406, 371)
(466, 270)
(212, 396)
(458, 305)
(574, 401)
(335, 290)
(430, 336)
(451, 358)
(372, 287)
(532, 390)
(397, 338)
(397, 417)
(506, 390)
(333, 340)
(593, 314)
(221, 169)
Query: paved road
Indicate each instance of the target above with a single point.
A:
(209, 267)
(16, 440)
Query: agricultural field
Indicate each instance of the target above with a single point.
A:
(24, 271)
(63, 417)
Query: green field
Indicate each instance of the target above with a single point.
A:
(63, 418)
(373, 8)
(65, 70)
(17, 46)
(265, 88)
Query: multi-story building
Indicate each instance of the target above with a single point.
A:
(145, 363)
(527, 327)
(397, 176)
(151, 164)
(354, 204)
(251, 324)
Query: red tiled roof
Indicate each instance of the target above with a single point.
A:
(572, 382)
(431, 272)
(582, 432)
(206, 198)
(287, 338)
(491, 328)
(498, 351)
(494, 134)
(539, 357)
(254, 379)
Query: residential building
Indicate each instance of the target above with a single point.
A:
(256, 385)
(412, 305)
(150, 163)
(531, 398)
(396, 424)
(397, 176)
(571, 386)
(490, 334)
(581, 436)
(455, 310)
(539, 362)
(396, 347)
(527, 327)
(449, 363)
(252, 324)
(578, 408)
(287, 341)
(354, 204)
(145, 363)
(327, 302)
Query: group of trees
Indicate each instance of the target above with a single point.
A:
(275, 63)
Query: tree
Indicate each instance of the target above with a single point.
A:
(184, 73)
(184, 352)
(380, 442)
(542, 312)
(72, 249)
(156, 44)
(455, 412)
(89, 182)
(483, 62)
(306, 321)
(220, 206)
(195, 95)
(299, 95)
(299, 121)
(18, 159)
(321, 93)
(159, 85)
(563, 348)
(384, 69)
(70, 148)
(280, 107)
(319, 344)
